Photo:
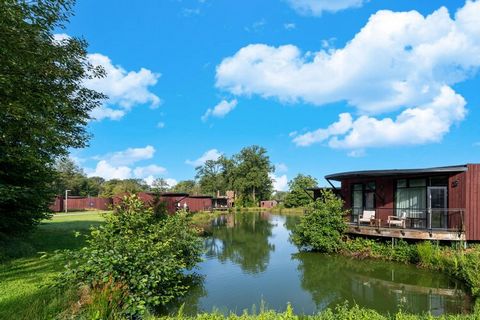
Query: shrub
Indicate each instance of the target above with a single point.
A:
(322, 227)
(142, 253)
(429, 255)
(470, 269)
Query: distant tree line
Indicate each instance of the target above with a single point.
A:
(247, 173)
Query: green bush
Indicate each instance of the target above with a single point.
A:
(142, 253)
(470, 269)
(323, 225)
(429, 255)
(360, 247)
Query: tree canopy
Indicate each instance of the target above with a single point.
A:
(298, 197)
(45, 106)
(247, 173)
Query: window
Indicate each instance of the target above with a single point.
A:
(411, 197)
(363, 196)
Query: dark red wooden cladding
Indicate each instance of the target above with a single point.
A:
(198, 203)
(472, 219)
(80, 204)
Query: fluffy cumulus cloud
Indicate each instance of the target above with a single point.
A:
(399, 63)
(128, 156)
(120, 165)
(212, 154)
(125, 89)
(220, 110)
(108, 171)
(317, 7)
(280, 183)
(150, 170)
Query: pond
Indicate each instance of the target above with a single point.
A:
(249, 260)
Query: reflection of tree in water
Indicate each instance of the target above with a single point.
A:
(242, 239)
(379, 285)
(190, 301)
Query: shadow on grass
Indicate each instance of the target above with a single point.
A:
(28, 267)
(47, 238)
(43, 303)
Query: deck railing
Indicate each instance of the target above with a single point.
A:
(414, 218)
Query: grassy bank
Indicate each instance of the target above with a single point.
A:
(28, 266)
(340, 313)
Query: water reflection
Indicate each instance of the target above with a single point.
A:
(242, 239)
(382, 286)
(249, 258)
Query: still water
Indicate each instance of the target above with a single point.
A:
(249, 259)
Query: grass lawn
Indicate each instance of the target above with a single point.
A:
(30, 265)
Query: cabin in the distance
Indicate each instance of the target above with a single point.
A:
(440, 203)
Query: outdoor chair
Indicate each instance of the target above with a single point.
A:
(397, 221)
(367, 216)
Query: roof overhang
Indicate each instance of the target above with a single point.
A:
(395, 172)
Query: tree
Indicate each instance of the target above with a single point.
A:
(210, 177)
(251, 172)
(298, 197)
(160, 185)
(44, 104)
(115, 187)
(186, 186)
(93, 187)
(141, 254)
(323, 225)
(69, 177)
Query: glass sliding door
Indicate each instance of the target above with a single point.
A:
(437, 207)
(357, 201)
(411, 201)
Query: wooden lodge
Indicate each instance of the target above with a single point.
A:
(440, 203)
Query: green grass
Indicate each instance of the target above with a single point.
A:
(29, 265)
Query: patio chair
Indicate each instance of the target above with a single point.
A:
(397, 221)
(367, 216)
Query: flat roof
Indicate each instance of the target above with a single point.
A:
(203, 196)
(394, 172)
(174, 194)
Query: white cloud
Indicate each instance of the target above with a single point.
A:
(150, 170)
(117, 165)
(342, 126)
(280, 183)
(317, 7)
(211, 154)
(256, 26)
(398, 62)
(220, 110)
(289, 26)
(161, 125)
(59, 37)
(281, 167)
(357, 153)
(423, 124)
(171, 182)
(128, 156)
(103, 112)
(125, 89)
(107, 171)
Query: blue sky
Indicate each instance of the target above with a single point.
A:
(324, 85)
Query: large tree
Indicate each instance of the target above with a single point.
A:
(44, 106)
(298, 196)
(210, 177)
(186, 186)
(252, 180)
(115, 187)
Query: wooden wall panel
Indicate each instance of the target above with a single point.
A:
(472, 220)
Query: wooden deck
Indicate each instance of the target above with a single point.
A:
(419, 234)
